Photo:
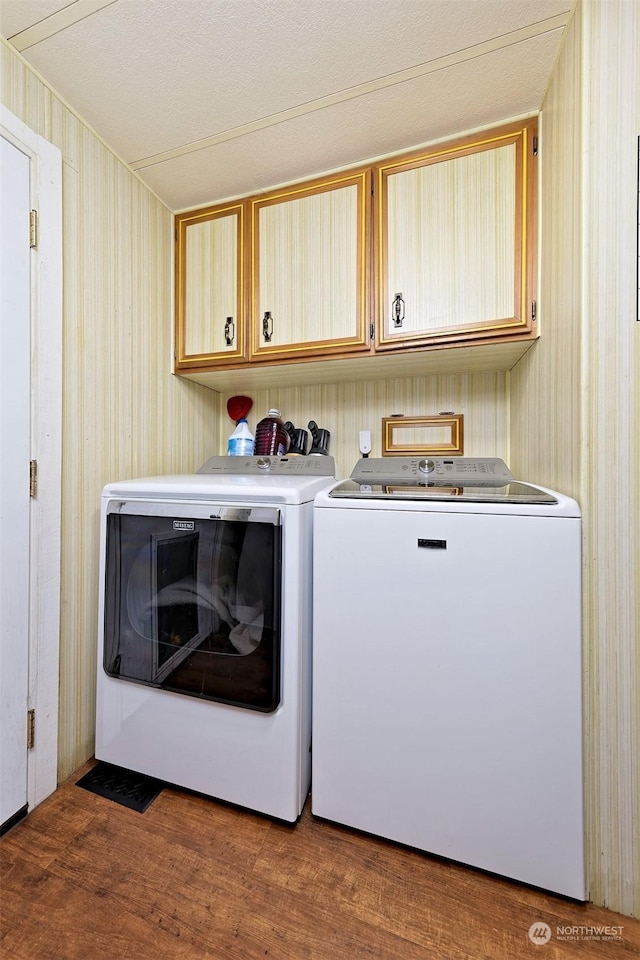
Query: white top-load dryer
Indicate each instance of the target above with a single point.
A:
(447, 665)
(204, 655)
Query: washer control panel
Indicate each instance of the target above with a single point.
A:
(476, 471)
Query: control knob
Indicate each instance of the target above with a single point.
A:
(426, 466)
(263, 463)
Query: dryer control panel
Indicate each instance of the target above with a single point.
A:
(287, 466)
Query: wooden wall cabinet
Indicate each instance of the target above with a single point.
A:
(211, 284)
(421, 264)
(309, 271)
(455, 240)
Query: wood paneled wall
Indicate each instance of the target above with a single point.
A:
(575, 403)
(124, 414)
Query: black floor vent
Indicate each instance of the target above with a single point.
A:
(133, 790)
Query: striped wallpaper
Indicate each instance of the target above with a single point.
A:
(575, 403)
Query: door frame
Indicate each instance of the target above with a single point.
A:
(46, 448)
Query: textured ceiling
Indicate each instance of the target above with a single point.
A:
(209, 99)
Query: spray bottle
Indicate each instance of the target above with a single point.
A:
(241, 442)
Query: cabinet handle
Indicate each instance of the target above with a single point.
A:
(266, 320)
(397, 310)
(229, 331)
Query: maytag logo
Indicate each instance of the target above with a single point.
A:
(184, 524)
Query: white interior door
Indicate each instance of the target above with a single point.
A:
(15, 403)
(31, 405)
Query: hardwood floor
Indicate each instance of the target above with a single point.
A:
(86, 878)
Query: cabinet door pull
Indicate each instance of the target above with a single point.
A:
(266, 332)
(229, 331)
(398, 310)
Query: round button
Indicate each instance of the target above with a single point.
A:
(263, 463)
(426, 466)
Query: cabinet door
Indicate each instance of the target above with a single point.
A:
(210, 254)
(308, 272)
(456, 238)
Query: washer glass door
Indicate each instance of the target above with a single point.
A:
(192, 600)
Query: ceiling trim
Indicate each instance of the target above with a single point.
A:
(72, 13)
(350, 93)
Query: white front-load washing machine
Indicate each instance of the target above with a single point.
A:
(204, 660)
(447, 665)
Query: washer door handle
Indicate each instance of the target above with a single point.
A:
(432, 544)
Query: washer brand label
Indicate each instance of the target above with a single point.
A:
(184, 524)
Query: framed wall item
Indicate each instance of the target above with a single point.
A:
(438, 435)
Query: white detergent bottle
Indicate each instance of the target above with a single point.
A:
(241, 441)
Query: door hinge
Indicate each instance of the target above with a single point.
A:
(535, 146)
(33, 228)
(31, 729)
(534, 311)
(33, 478)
